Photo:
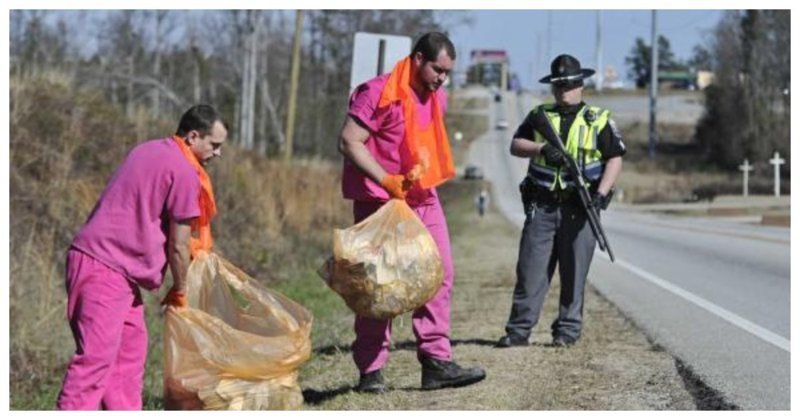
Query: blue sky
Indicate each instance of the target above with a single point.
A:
(524, 35)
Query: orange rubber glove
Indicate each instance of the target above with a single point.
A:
(396, 185)
(175, 298)
(415, 173)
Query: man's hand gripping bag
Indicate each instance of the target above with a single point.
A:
(238, 345)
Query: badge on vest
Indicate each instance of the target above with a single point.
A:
(589, 116)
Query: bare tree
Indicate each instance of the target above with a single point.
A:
(160, 31)
(236, 60)
(251, 32)
(747, 107)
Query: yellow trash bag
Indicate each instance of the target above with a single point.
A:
(238, 346)
(385, 265)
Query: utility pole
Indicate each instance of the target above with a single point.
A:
(295, 77)
(549, 35)
(599, 51)
(540, 63)
(653, 86)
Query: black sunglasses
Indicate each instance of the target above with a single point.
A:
(568, 85)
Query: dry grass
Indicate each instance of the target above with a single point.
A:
(676, 173)
(275, 215)
(57, 171)
(680, 170)
(461, 117)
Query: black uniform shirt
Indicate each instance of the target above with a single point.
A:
(609, 140)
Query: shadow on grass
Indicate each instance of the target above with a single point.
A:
(403, 345)
(315, 397)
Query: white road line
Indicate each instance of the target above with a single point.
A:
(758, 331)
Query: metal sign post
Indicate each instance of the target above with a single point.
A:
(376, 54)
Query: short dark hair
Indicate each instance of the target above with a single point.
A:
(201, 118)
(431, 44)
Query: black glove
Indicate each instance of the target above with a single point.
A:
(552, 155)
(600, 201)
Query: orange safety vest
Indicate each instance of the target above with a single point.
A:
(429, 149)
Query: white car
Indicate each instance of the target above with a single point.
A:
(502, 124)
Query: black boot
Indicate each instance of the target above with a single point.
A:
(371, 383)
(512, 340)
(446, 374)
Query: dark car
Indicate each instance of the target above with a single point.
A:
(473, 172)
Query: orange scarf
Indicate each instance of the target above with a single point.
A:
(431, 161)
(201, 226)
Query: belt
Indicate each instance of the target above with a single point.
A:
(558, 197)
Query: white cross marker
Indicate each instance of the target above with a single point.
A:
(777, 162)
(745, 168)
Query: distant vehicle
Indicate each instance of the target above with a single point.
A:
(685, 85)
(502, 124)
(473, 172)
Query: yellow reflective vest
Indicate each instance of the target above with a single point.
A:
(581, 145)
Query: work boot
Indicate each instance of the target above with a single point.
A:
(371, 383)
(512, 340)
(447, 374)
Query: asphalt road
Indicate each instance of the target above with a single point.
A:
(715, 294)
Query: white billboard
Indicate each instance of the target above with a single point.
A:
(376, 54)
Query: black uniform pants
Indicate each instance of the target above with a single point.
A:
(553, 235)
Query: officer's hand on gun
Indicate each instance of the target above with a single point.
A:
(600, 201)
(552, 155)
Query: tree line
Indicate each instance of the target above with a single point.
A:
(160, 62)
(748, 105)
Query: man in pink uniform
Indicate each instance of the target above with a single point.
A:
(375, 170)
(141, 221)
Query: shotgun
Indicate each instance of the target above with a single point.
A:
(545, 128)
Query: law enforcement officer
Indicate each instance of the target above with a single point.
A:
(556, 231)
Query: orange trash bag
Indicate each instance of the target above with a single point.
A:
(385, 265)
(238, 345)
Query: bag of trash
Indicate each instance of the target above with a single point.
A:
(238, 345)
(385, 265)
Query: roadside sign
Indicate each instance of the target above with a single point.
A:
(376, 54)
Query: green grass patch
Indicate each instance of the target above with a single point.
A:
(329, 310)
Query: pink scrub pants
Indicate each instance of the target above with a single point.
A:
(106, 315)
(431, 322)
